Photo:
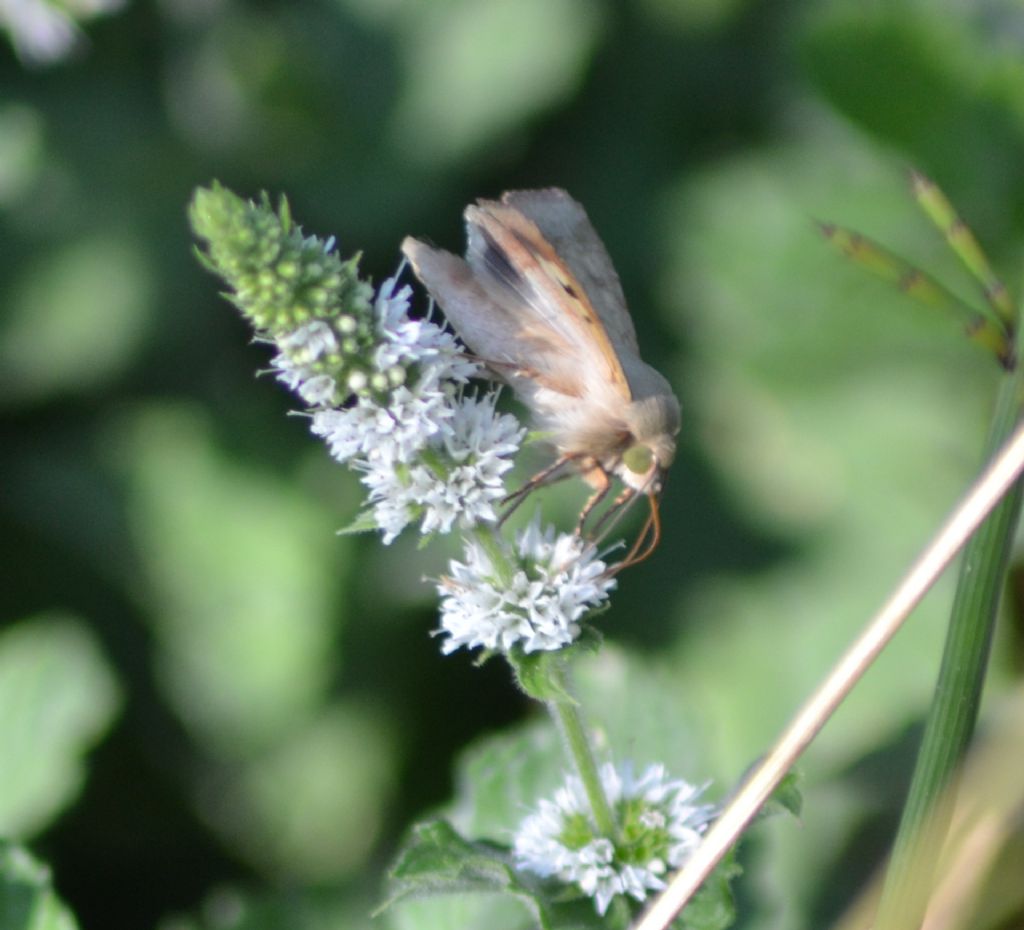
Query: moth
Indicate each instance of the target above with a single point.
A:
(537, 300)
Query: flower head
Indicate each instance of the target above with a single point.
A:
(388, 434)
(375, 353)
(534, 601)
(384, 389)
(457, 478)
(660, 824)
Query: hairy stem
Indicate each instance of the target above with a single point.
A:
(569, 718)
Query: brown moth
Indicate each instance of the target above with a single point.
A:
(537, 300)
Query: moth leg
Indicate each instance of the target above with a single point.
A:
(505, 371)
(547, 475)
(602, 484)
(618, 507)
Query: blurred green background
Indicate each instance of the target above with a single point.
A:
(214, 711)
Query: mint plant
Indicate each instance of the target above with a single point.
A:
(399, 401)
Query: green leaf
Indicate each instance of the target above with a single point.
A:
(944, 89)
(75, 317)
(58, 696)
(425, 540)
(243, 579)
(713, 907)
(242, 573)
(540, 675)
(363, 523)
(311, 807)
(641, 712)
(438, 861)
(27, 898)
(477, 69)
(501, 777)
(443, 912)
(787, 797)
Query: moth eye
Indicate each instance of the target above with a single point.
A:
(638, 459)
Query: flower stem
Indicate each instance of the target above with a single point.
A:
(564, 708)
(954, 708)
(569, 718)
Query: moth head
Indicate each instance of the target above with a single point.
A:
(653, 424)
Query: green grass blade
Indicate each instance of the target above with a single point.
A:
(961, 240)
(922, 287)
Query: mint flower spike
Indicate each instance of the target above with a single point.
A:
(295, 290)
(536, 606)
(660, 825)
(385, 390)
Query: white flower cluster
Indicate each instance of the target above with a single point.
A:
(659, 815)
(423, 450)
(534, 600)
(457, 478)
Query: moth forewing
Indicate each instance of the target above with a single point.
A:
(518, 266)
(495, 323)
(480, 322)
(564, 224)
(538, 301)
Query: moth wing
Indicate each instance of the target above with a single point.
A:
(511, 258)
(491, 323)
(566, 226)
